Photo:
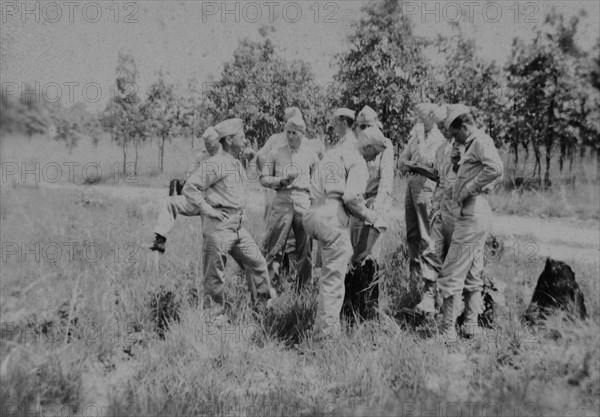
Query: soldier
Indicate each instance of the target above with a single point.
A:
(216, 189)
(362, 293)
(339, 189)
(479, 167)
(172, 206)
(418, 159)
(288, 170)
(445, 212)
(378, 195)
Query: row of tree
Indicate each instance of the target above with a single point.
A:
(546, 98)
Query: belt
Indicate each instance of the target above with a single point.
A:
(292, 191)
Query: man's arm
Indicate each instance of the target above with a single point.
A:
(267, 177)
(493, 167)
(206, 175)
(356, 184)
(386, 180)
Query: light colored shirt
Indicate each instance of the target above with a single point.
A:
(279, 140)
(381, 175)
(342, 173)
(218, 182)
(283, 161)
(421, 146)
(195, 162)
(443, 168)
(480, 166)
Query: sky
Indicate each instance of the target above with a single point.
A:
(68, 49)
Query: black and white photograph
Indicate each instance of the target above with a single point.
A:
(302, 208)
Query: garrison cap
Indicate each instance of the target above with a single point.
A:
(367, 116)
(455, 111)
(371, 136)
(229, 127)
(425, 108)
(344, 112)
(292, 112)
(296, 123)
(210, 135)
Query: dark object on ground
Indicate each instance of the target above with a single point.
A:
(159, 243)
(361, 298)
(175, 187)
(556, 289)
(164, 309)
(493, 250)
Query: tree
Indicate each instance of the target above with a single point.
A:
(257, 86)
(122, 114)
(464, 77)
(383, 67)
(548, 89)
(163, 113)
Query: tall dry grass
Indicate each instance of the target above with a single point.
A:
(260, 363)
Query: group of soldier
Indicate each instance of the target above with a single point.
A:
(341, 197)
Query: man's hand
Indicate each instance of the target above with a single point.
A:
(466, 192)
(247, 154)
(287, 181)
(380, 224)
(214, 214)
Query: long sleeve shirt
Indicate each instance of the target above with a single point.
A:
(342, 173)
(443, 167)
(381, 175)
(218, 183)
(480, 165)
(283, 161)
(195, 162)
(421, 146)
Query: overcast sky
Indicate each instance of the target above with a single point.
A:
(69, 45)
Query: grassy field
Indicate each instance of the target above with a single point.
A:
(79, 330)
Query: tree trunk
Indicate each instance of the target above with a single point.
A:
(516, 149)
(561, 159)
(571, 157)
(135, 164)
(547, 174)
(124, 147)
(162, 154)
(538, 166)
(597, 165)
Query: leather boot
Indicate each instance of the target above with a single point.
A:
(470, 326)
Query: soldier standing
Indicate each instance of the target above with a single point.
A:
(341, 182)
(479, 167)
(288, 170)
(216, 189)
(417, 158)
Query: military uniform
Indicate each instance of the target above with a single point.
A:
(420, 150)
(337, 194)
(479, 167)
(218, 185)
(289, 207)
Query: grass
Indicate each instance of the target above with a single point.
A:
(261, 364)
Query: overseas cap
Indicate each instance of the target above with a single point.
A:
(292, 112)
(229, 127)
(296, 123)
(367, 116)
(210, 135)
(371, 136)
(344, 112)
(455, 111)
